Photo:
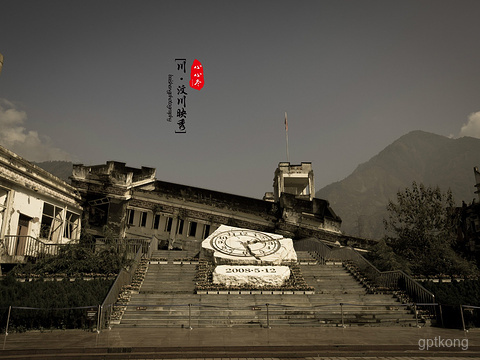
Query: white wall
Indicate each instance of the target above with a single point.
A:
(3, 210)
(29, 206)
(32, 206)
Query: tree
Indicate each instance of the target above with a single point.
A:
(384, 258)
(421, 228)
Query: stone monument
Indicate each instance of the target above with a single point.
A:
(244, 256)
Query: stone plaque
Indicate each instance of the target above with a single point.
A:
(231, 245)
(256, 276)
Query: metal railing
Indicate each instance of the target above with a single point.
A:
(469, 309)
(127, 245)
(124, 278)
(268, 315)
(30, 318)
(265, 315)
(17, 245)
(392, 280)
(152, 247)
(29, 246)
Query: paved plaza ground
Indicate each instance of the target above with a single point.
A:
(280, 342)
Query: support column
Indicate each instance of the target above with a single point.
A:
(6, 213)
(311, 185)
(64, 224)
(173, 231)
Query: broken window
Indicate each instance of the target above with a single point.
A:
(3, 199)
(130, 216)
(193, 229)
(71, 226)
(206, 230)
(98, 212)
(143, 219)
(296, 185)
(51, 226)
(180, 226)
(156, 222)
(168, 224)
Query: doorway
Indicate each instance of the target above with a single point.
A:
(22, 234)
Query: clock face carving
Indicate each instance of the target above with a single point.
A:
(245, 243)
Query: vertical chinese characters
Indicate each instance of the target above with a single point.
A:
(177, 91)
(181, 97)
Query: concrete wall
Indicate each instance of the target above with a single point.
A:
(178, 236)
(3, 207)
(27, 205)
(24, 189)
(32, 205)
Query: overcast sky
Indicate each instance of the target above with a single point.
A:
(87, 81)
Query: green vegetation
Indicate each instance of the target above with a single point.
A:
(53, 300)
(362, 197)
(50, 300)
(456, 293)
(453, 294)
(421, 229)
(77, 259)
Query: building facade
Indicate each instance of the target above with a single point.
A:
(294, 179)
(132, 203)
(37, 209)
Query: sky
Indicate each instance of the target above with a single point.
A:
(87, 81)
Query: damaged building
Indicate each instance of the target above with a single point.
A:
(132, 203)
(38, 211)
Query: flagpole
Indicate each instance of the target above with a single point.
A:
(286, 135)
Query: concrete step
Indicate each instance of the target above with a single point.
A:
(147, 299)
(171, 255)
(262, 322)
(247, 314)
(168, 288)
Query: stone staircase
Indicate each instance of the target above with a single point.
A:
(166, 299)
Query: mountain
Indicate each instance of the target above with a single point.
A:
(361, 198)
(61, 169)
